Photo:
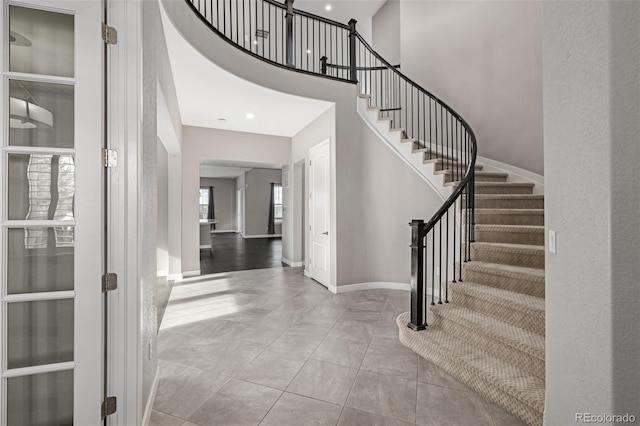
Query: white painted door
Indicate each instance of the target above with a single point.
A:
(51, 183)
(319, 212)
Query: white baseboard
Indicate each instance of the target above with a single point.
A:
(307, 273)
(223, 231)
(162, 274)
(205, 246)
(292, 263)
(517, 172)
(152, 397)
(262, 236)
(371, 286)
(187, 274)
(174, 277)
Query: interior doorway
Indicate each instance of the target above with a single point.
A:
(319, 213)
(240, 216)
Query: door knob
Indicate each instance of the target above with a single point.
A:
(325, 233)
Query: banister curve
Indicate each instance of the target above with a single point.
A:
(303, 42)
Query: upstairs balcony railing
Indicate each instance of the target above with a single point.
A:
(291, 38)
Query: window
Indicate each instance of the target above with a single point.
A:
(277, 202)
(204, 203)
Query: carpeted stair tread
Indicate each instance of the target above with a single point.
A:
(523, 212)
(517, 391)
(515, 308)
(509, 216)
(510, 201)
(522, 229)
(488, 329)
(510, 271)
(510, 234)
(524, 301)
(510, 248)
(510, 254)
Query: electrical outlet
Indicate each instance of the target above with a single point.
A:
(552, 241)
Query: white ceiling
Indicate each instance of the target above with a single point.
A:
(206, 93)
(342, 10)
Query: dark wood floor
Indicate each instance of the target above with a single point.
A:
(231, 252)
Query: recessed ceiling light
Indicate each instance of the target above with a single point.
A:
(255, 41)
(308, 51)
(327, 7)
(222, 120)
(250, 116)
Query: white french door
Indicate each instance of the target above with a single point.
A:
(51, 183)
(320, 213)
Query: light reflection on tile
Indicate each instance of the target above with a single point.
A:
(230, 343)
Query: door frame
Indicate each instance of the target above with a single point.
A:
(331, 211)
(87, 364)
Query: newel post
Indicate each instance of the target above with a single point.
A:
(323, 65)
(289, 19)
(418, 312)
(352, 50)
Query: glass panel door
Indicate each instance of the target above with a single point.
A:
(51, 184)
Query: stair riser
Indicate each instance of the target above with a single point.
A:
(479, 178)
(497, 348)
(509, 204)
(530, 320)
(529, 260)
(532, 238)
(519, 284)
(509, 219)
(506, 189)
(467, 375)
(440, 166)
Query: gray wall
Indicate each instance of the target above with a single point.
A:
(386, 31)
(257, 197)
(372, 243)
(592, 198)
(483, 58)
(224, 197)
(322, 128)
(162, 202)
(147, 208)
(287, 218)
(203, 143)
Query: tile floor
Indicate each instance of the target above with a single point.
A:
(272, 347)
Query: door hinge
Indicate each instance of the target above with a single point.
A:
(109, 34)
(109, 406)
(109, 282)
(109, 157)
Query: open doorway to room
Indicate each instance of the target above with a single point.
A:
(240, 216)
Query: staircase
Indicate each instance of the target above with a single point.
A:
(486, 312)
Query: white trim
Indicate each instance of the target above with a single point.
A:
(187, 274)
(33, 297)
(524, 175)
(376, 285)
(223, 231)
(292, 263)
(164, 273)
(152, 397)
(393, 140)
(263, 236)
(307, 273)
(175, 277)
(38, 369)
(205, 246)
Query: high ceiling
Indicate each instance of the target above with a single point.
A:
(207, 93)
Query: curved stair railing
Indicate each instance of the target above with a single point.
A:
(291, 38)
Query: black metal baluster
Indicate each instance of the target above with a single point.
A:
(440, 262)
(446, 264)
(433, 265)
